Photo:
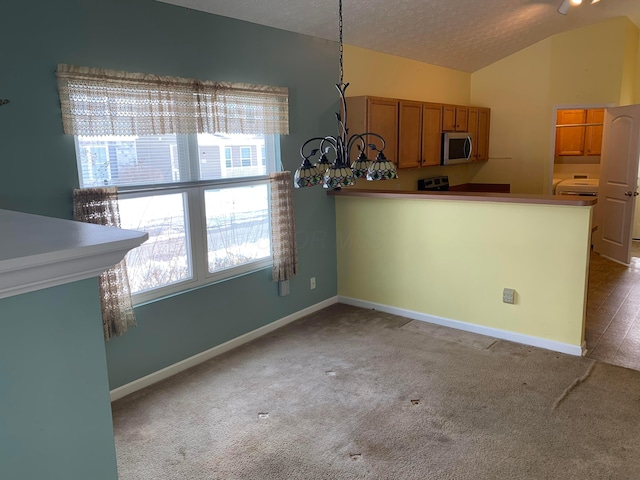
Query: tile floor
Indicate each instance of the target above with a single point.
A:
(613, 311)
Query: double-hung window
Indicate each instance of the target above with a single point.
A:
(191, 162)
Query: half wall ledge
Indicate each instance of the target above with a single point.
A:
(38, 252)
(567, 200)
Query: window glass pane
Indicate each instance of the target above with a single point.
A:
(164, 258)
(240, 155)
(237, 225)
(132, 160)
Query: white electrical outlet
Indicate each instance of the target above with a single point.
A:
(313, 283)
(509, 295)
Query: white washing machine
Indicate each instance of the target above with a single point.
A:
(554, 184)
(583, 187)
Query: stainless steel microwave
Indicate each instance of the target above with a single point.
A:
(456, 147)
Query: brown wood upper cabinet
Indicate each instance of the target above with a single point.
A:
(593, 133)
(478, 125)
(378, 115)
(419, 134)
(455, 118)
(579, 132)
(413, 130)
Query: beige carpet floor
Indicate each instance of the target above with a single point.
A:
(349, 393)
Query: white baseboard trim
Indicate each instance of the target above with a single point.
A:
(577, 350)
(167, 372)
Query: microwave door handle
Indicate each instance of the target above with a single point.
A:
(467, 141)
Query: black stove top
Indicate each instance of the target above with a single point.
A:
(434, 183)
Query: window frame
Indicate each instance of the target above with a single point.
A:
(196, 238)
(97, 102)
(195, 215)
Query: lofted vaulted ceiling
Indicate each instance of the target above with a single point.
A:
(463, 35)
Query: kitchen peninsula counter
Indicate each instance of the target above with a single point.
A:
(445, 257)
(564, 200)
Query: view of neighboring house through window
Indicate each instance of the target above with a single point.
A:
(207, 216)
(227, 157)
(245, 155)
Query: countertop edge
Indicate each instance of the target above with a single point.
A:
(565, 200)
(40, 252)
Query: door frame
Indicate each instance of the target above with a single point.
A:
(548, 188)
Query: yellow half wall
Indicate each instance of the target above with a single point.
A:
(450, 260)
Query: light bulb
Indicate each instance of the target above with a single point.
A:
(576, 2)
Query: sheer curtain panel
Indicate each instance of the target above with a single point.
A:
(283, 227)
(100, 206)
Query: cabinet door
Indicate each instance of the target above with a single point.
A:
(462, 119)
(410, 133)
(482, 137)
(455, 118)
(383, 119)
(570, 140)
(431, 134)
(448, 118)
(593, 133)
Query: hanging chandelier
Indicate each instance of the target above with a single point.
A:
(342, 172)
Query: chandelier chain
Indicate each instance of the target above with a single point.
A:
(341, 49)
(342, 172)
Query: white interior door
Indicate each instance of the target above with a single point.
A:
(618, 179)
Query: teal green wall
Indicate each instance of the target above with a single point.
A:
(39, 169)
(149, 36)
(55, 417)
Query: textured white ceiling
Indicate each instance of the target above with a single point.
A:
(460, 34)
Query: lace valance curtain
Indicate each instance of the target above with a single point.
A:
(96, 101)
(100, 206)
